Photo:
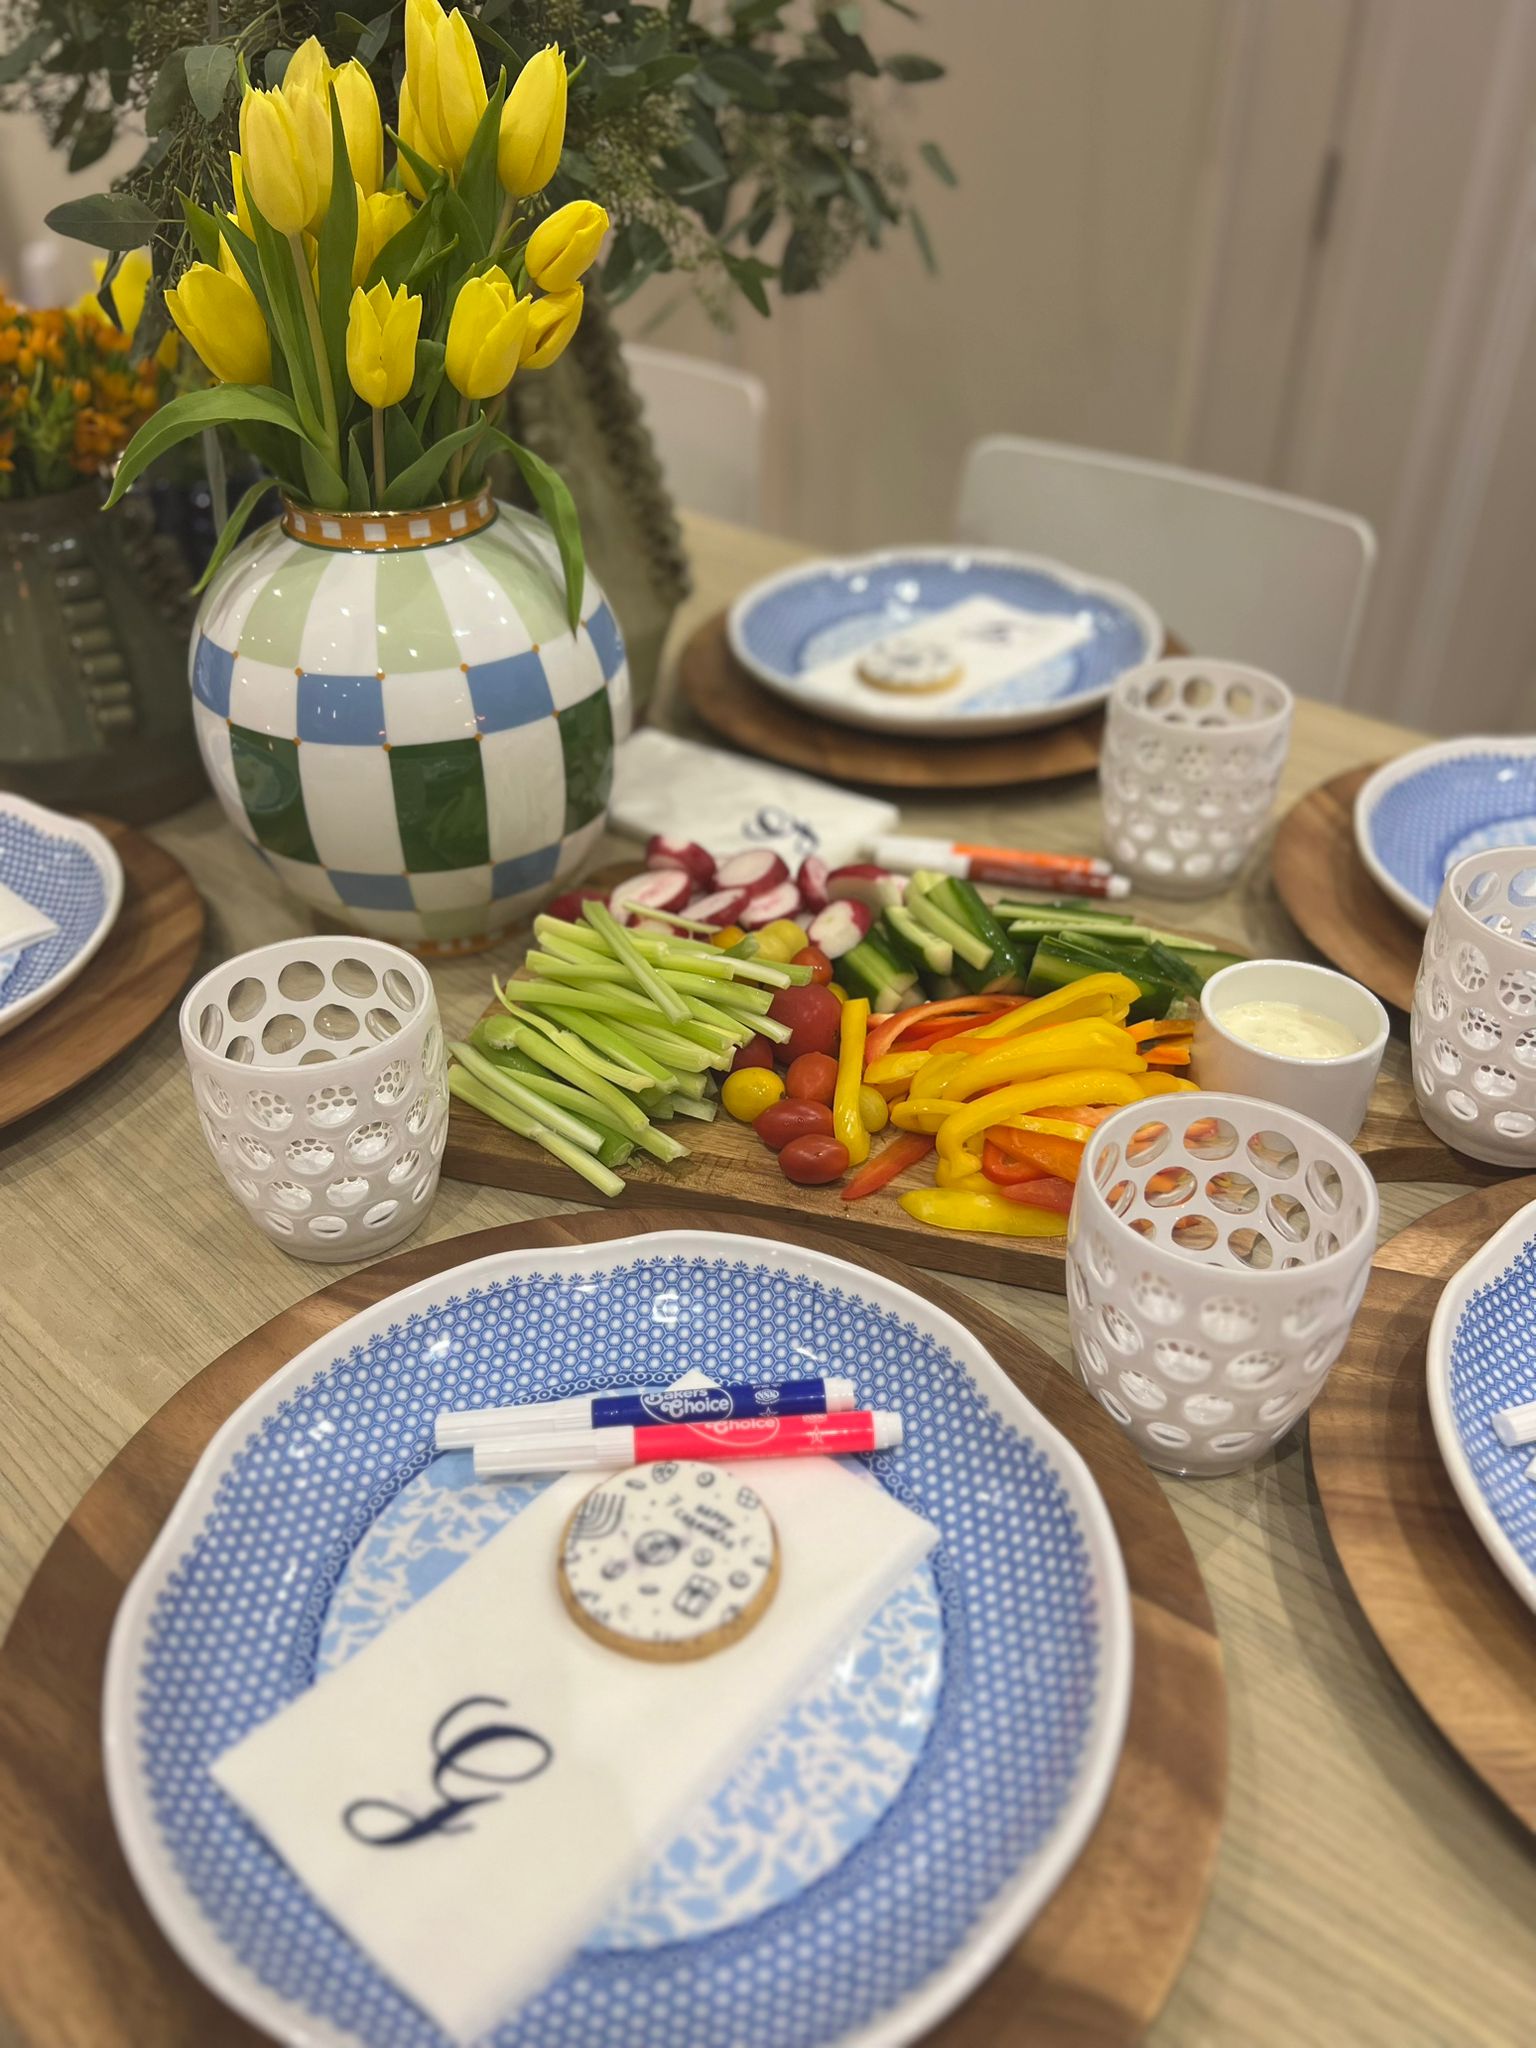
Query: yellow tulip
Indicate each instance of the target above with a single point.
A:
(278, 162)
(533, 125)
(380, 217)
(361, 120)
(218, 313)
(128, 290)
(560, 250)
(414, 137)
(485, 335)
(447, 84)
(550, 326)
(307, 89)
(381, 343)
(242, 204)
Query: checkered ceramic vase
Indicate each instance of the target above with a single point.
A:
(396, 715)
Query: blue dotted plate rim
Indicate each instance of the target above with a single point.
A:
(55, 825)
(172, 1904)
(1403, 769)
(1489, 1263)
(938, 725)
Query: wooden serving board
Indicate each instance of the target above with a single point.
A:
(1459, 1634)
(735, 705)
(140, 969)
(88, 1965)
(1322, 881)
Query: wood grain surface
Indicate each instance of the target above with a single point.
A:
(735, 705)
(141, 967)
(1322, 881)
(90, 1967)
(1444, 1612)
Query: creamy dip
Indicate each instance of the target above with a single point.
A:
(1288, 1030)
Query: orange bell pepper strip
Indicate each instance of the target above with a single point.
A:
(887, 1030)
(1167, 1055)
(1092, 1084)
(1163, 1027)
(1046, 1193)
(885, 1165)
(1060, 1157)
(847, 1125)
(1002, 1170)
(968, 1209)
(1096, 995)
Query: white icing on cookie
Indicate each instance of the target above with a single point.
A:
(908, 661)
(669, 1560)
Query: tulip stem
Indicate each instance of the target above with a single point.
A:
(379, 473)
(317, 346)
(459, 453)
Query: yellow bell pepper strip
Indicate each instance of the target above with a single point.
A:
(847, 1124)
(1057, 1049)
(964, 1173)
(896, 1066)
(1093, 1084)
(1096, 995)
(938, 1068)
(1052, 1126)
(1162, 1084)
(922, 1115)
(970, 1209)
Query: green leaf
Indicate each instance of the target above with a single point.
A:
(108, 220)
(224, 405)
(210, 71)
(427, 175)
(165, 95)
(478, 187)
(374, 37)
(20, 57)
(284, 307)
(749, 274)
(430, 357)
(558, 508)
(203, 228)
(402, 444)
(848, 44)
(338, 245)
(234, 526)
(359, 486)
(324, 484)
(754, 14)
(397, 262)
(797, 271)
(924, 246)
(912, 70)
(746, 82)
(93, 138)
(275, 66)
(901, 7)
(938, 163)
(415, 486)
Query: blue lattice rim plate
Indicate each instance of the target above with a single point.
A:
(789, 624)
(1481, 1358)
(1027, 1711)
(64, 867)
(1420, 814)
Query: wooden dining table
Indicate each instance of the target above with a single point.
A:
(1369, 1890)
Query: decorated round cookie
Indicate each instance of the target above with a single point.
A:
(669, 1561)
(910, 664)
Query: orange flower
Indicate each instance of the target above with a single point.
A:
(26, 361)
(10, 343)
(7, 449)
(80, 390)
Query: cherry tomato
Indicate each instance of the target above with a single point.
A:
(749, 1091)
(757, 1052)
(782, 1122)
(811, 1078)
(812, 1162)
(813, 1015)
(817, 961)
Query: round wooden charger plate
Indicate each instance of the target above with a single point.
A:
(1444, 1613)
(1323, 883)
(88, 1964)
(142, 966)
(736, 706)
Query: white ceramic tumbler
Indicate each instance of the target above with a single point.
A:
(1474, 1009)
(1190, 764)
(322, 1088)
(1216, 1254)
(1336, 1091)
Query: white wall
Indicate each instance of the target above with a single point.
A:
(33, 179)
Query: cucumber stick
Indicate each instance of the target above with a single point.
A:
(871, 970)
(924, 949)
(999, 972)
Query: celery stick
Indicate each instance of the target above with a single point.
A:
(636, 966)
(729, 995)
(688, 924)
(684, 1105)
(630, 1008)
(543, 1083)
(551, 967)
(516, 1092)
(491, 1104)
(624, 1046)
(660, 1046)
(492, 1032)
(737, 1029)
(559, 1061)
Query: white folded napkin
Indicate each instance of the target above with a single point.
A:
(728, 803)
(981, 642)
(610, 1752)
(21, 923)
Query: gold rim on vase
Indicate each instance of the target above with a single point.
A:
(390, 532)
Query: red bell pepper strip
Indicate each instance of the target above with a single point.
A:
(968, 1010)
(1049, 1193)
(1005, 1171)
(887, 1163)
(1061, 1157)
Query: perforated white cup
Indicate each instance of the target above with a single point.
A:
(322, 1088)
(1217, 1252)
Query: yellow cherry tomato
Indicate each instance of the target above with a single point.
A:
(730, 935)
(874, 1110)
(749, 1091)
(840, 993)
(781, 940)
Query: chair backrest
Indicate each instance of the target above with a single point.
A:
(1237, 572)
(707, 422)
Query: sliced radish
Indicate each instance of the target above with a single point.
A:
(812, 881)
(695, 861)
(769, 907)
(568, 906)
(839, 928)
(864, 883)
(661, 889)
(722, 908)
(756, 872)
(653, 929)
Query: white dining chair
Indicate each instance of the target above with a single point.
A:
(1236, 571)
(708, 424)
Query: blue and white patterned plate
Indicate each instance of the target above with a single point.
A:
(1420, 814)
(865, 1866)
(65, 868)
(1481, 1359)
(786, 628)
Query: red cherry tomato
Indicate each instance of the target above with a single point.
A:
(812, 1162)
(811, 1078)
(757, 1052)
(817, 961)
(814, 1017)
(782, 1122)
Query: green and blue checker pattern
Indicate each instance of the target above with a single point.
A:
(408, 738)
